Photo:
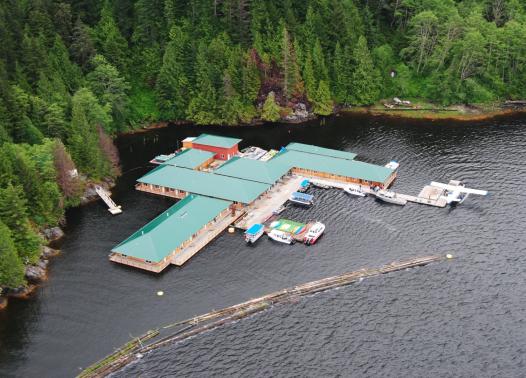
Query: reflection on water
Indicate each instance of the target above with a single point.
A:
(457, 318)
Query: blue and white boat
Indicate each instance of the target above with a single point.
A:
(254, 233)
(301, 198)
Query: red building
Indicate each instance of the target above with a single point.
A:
(223, 147)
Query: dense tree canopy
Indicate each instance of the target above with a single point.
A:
(74, 72)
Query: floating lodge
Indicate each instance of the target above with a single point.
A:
(217, 186)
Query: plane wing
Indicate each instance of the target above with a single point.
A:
(454, 188)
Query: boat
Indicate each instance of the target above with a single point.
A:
(301, 198)
(254, 233)
(304, 185)
(389, 197)
(281, 236)
(279, 210)
(355, 191)
(393, 164)
(161, 159)
(314, 233)
(321, 185)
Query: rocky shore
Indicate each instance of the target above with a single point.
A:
(36, 273)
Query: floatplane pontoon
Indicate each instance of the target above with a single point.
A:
(456, 192)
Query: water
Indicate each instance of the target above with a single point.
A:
(458, 318)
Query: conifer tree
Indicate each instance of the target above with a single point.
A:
(11, 266)
(365, 76)
(173, 86)
(310, 79)
(110, 41)
(270, 111)
(13, 213)
(341, 77)
(323, 104)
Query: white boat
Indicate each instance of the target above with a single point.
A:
(389, 197)
(393, 164)
(355, 191)
(254, 233)
(279, 210)
(314, 233)
(321, 185)
(281, 236)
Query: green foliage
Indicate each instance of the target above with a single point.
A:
(11, 266)
(365, 78)
(323, 103)
(13, 214)
(270, 111)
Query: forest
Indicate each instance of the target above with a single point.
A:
(73, 74)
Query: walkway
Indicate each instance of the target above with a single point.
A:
(262, 208)
(203, 238)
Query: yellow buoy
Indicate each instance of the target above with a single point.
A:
(160, 293)
(449, 256)
(231, 230)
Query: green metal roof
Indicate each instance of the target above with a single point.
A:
(165, 233)
(216, 141)
(253, 170)
(205, 183)
(331, 165)
(190, 158)
(320, 151)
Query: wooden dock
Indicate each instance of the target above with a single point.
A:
(429, 195)
(105, 196)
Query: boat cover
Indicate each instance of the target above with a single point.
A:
(254, 229)
(302, 196)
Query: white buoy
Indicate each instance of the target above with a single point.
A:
(449, 256)
(160, 293)
(231, 230)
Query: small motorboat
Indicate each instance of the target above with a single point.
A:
(389, 197)
(321, 185)
(279, 210)
(393, 164)
(304, 185)
(281, 236)
(254, 233)
(354, 190)
(314, 233)
(301, 198)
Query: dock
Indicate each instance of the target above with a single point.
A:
(429, 195)
(113, 208)
(261, 210)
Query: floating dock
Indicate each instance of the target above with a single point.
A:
(245, 191)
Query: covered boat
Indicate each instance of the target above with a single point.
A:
(254, 233)
(301, 198)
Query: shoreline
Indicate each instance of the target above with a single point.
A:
(37, 273)
(457, 113)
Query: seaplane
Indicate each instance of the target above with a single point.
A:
(456, 192)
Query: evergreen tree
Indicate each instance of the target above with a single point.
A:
(11, 266)
(13, 213)
(82, 47)
(110, 41)
(323, 104)
(270, 111)
(111, 89)
(365, 76)
(341, 77)
(173, 84)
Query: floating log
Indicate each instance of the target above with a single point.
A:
(198, 324)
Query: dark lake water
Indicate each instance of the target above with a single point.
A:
(457, 318)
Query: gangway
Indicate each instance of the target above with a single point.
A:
(112, 206)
